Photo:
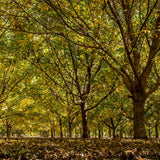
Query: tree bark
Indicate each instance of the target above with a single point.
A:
(52, 132)
(80, 132)
(156, 130)
(60, 125)
(76, 134)
(125, 135)
(99, 132)
(70, 130)
(114, 132)
(139, 123)
(8, 129)
(52, 128)
(121, 133)
(102, 132)
(109, 132)
(95, 133)
(84, 120)
(149, 133)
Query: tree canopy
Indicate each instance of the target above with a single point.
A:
(80, 68)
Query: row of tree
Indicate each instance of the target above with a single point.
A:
(97, 59)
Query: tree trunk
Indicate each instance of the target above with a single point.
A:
(76, 134)
(70, 130)
(131, 133)
(125, 135)
(52, 132)
(109, 132)
(8, 129)
(114, 132)
(121, 133)
(102, 132)
(65, 134)
(139, 124)
(89, 133)
(95, 133)
(99, 132)
(84, 120)
(156, 130)
(60, 125)
(80, 131)
(149, 133)
(52, 129)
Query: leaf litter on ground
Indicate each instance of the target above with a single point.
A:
(87, 149)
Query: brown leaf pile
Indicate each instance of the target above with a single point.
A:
(88, 149)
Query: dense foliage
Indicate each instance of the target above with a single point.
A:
(80, 68)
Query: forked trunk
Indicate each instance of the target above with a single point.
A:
(139, 123)
(84, 120)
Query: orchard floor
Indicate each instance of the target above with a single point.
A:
(87, 149)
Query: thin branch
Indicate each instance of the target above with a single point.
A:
(103, 98)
